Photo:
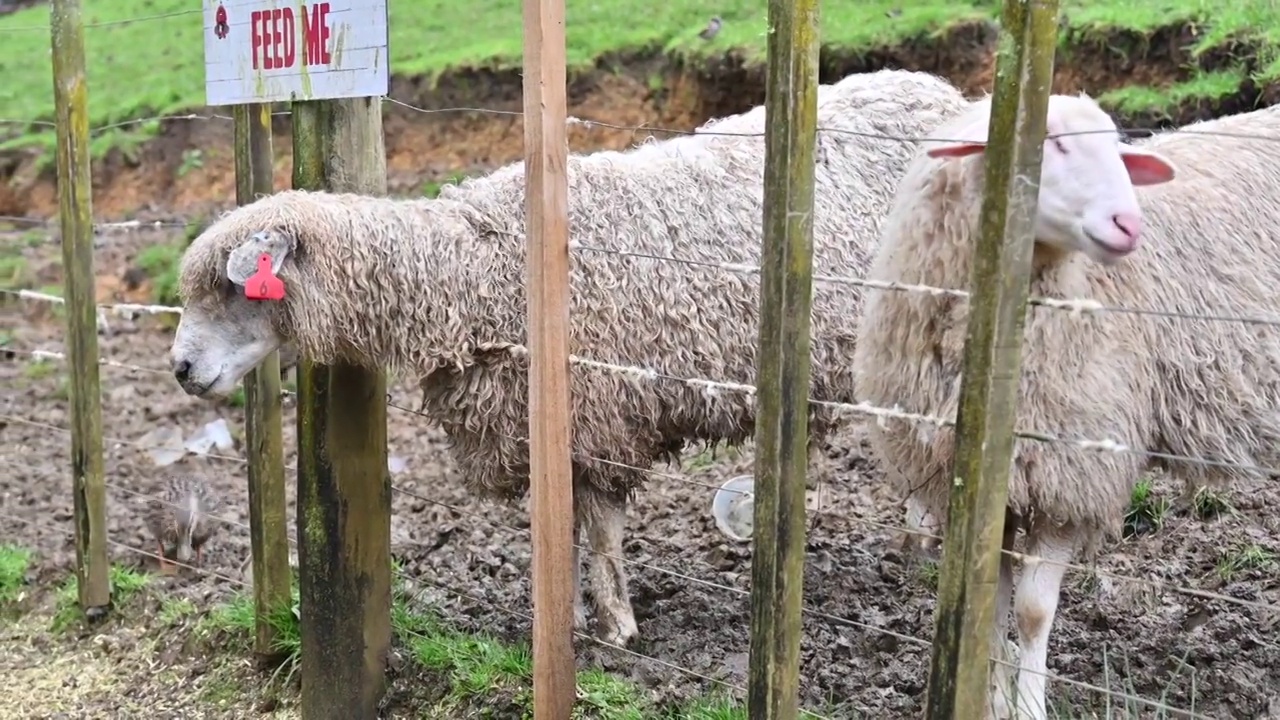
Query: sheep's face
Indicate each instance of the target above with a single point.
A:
(222, 334)
(219, 340)
(1087, 199)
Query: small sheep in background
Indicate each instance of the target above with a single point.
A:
(1208, 243)
(437, 288)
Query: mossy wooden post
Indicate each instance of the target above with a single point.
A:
(546, 149)
(268, 521)
(75, 209)
(958, 675)
(344, 489)
(782, 371)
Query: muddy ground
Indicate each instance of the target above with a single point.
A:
(471, 559)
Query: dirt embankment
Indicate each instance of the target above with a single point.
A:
(188, 168)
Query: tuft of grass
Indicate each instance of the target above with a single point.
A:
(160, 263)
(14, 273)
(432, 189)
(237, 619)
(174, 609)
(1210, 504)
(125, 583)
(1243, 559)
(14, 562)
(237, 399)
(1147, 510)
(39, 369)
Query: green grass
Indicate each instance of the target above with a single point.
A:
(430, 37)
(14, 272)
(1245, 558)
(1147, 510)
(160, 263)
(14, 562)
(125, 583)
(472, 669)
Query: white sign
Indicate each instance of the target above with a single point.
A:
(272, 50)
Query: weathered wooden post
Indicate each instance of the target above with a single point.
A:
(782, 371)
(268, 520)
(958, 676)
(546, 150)
(344, 493)
(75, 210)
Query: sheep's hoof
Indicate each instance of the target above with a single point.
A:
(618, 631)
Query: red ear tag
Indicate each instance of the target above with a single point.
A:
(264, 285)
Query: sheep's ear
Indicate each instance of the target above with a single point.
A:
(1146, 167)
(243, 261)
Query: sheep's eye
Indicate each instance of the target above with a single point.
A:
(1062, 147)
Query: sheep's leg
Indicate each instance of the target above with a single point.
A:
(615, 620)
(1002, 672)
(579, 607)
(1034, 607)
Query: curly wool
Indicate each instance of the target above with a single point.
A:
(1191, 388)
(437, 287)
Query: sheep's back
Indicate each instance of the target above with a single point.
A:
(699, 199)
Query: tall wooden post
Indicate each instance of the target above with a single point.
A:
(550, 435)
(958, 676)
(75, 209)
(268, 521)
(344, 489)
(782, 373)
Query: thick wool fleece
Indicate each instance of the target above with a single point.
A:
(437, 287)
(1184, 387)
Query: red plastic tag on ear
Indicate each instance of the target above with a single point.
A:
(264, 285)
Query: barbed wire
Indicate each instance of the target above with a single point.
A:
(719, 586)
(705, 130)
(107, 23)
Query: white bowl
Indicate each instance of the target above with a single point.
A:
(733, 507)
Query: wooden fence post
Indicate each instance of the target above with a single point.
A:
(546, 148)
(958, 676)
(268, 521)
(75, 209)
(344, 489)
(782, 371)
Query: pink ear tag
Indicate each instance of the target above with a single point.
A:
(264, 285)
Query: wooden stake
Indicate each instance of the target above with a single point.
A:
(268, 521)
(344, 489)
(550, 437)
(782, 418)
(75, 210)
(958, 676)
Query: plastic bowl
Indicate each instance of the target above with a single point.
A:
(732, 507)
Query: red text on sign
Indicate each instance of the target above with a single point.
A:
(273, 37)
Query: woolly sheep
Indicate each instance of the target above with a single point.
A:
(1188, 388)
(437, 288)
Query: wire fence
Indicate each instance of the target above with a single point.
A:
(832, 619)
(582, 252)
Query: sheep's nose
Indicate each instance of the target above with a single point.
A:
(1129, 223)
(181, 369)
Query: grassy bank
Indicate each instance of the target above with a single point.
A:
(154, 65)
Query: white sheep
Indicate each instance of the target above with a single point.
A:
(1211, 244)
(437, 288)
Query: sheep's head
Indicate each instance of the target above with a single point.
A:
(1087, 201)
(223, 334)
